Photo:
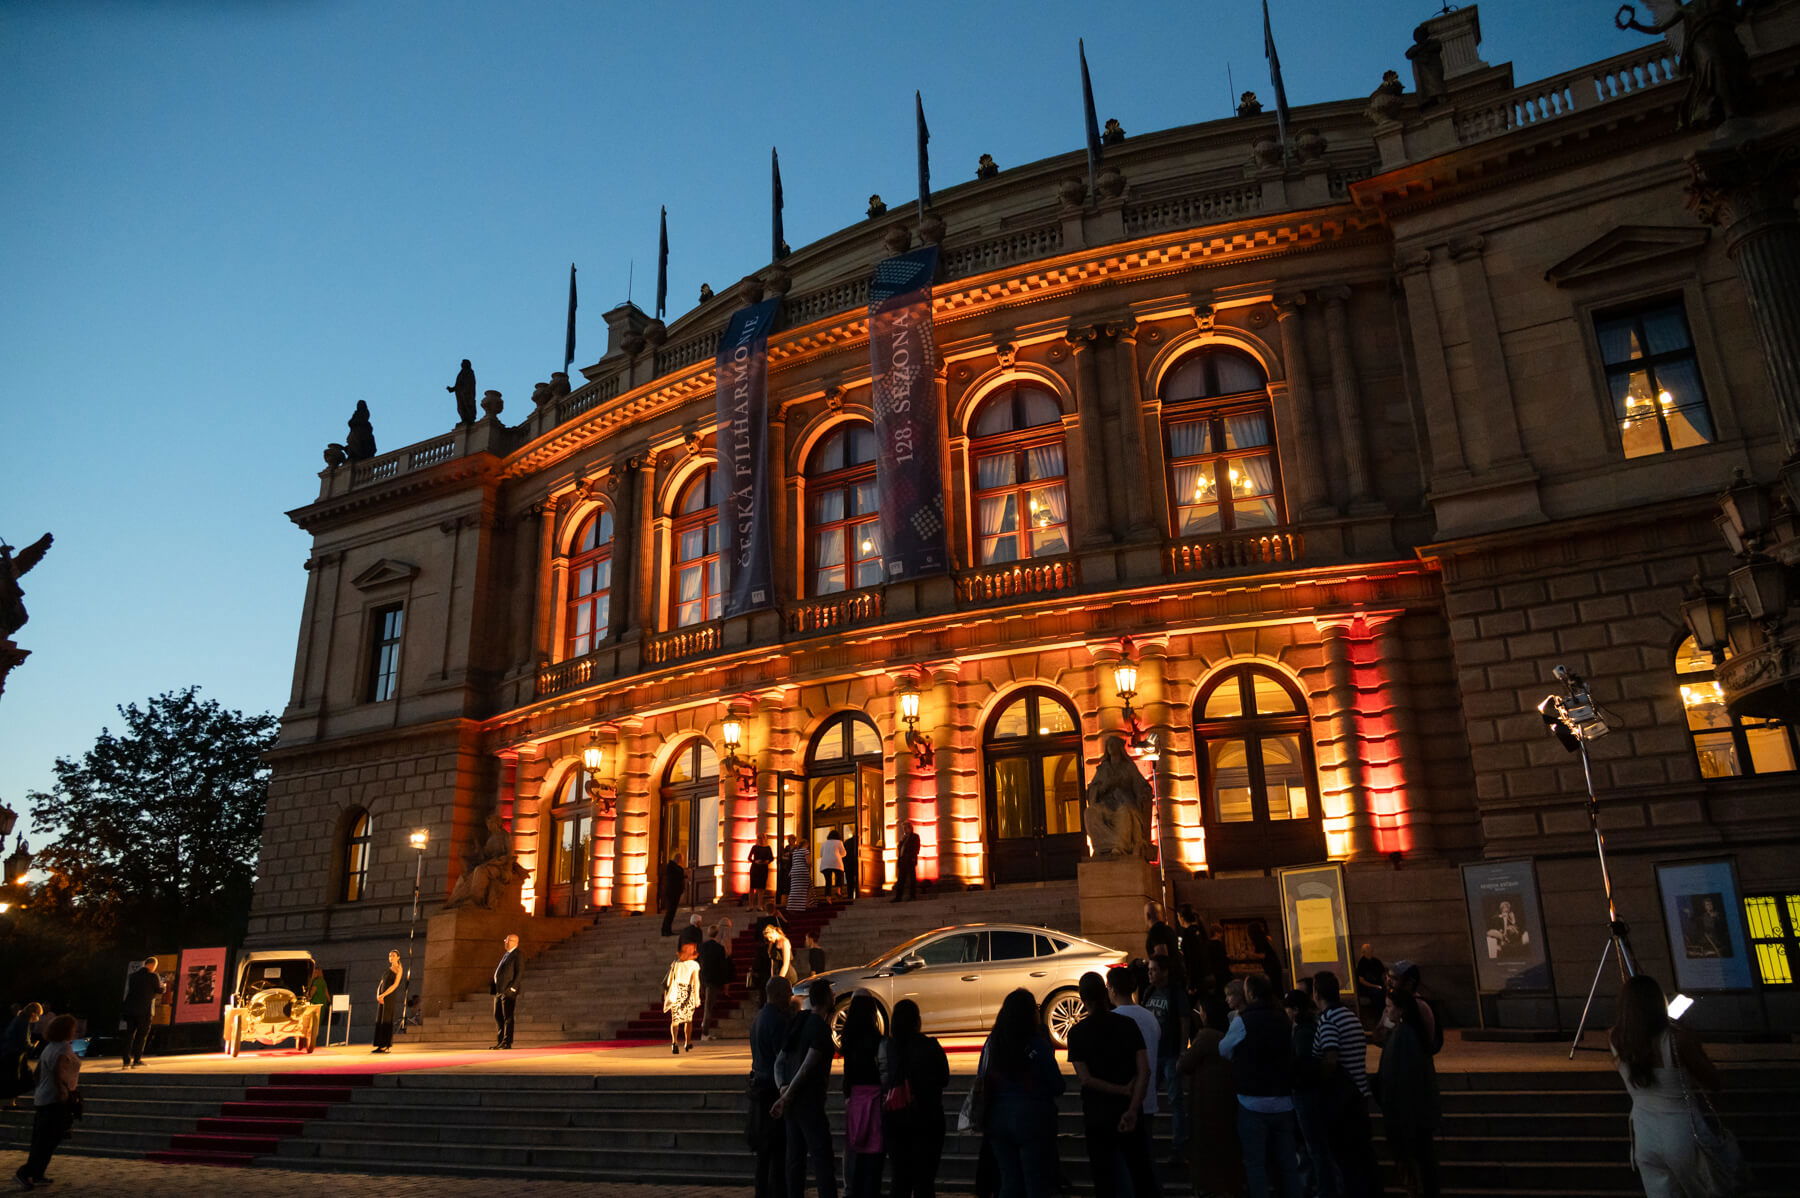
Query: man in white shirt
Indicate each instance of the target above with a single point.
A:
(1121, 987)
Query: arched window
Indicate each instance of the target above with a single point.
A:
(1726, 747)
(843, 788)
(1032, 753)
(1220, 445)
(690, 817)
(571, 888)
(697, 550)
(843, 527)
(1261, 791)
(355, 858)
(590, 583)
(1021, 491)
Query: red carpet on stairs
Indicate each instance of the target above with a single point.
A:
(268, 1114)
(653, 1025)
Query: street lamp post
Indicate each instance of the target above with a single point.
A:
(419, 839)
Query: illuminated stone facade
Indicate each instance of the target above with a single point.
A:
(1334, 444)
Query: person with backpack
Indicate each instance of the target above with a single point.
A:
(1260, 1047)
(914, 1073)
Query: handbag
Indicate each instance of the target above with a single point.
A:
(974, 1110)
(1719, 1169)
(898, 1098)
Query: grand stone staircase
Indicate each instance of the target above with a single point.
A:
(605, 982)
(1506, 1135)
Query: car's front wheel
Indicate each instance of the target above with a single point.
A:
(1062, 1011)
(841, 1012)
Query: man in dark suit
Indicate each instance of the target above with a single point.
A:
(674, 882)
(906, 865)
(141, 990)
(506, 992)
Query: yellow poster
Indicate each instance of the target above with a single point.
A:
(1316, 929)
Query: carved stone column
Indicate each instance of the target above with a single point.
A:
(1142, 522)
(631, 888)
(957, 786)
(1093, 488)
(1748, 191)
(1443, 434)
(1497, 411)
(784, 547)
(1348, 397)
(643, 545)
(1341, 734)
(1296, 412)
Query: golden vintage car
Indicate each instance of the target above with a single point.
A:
(268, 1004)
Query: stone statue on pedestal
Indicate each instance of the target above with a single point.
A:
(1118, 809)
(464, 390)
(1713, 59)
(1249, 105)
(1427, 55)
(360, 444)
(494, 878)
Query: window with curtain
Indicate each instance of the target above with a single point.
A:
(1654, 378)
(697, 550)
(1261, 796)
(357, 843)
(1021, 475)
(843, 525)
(1220, 446)
(590, 583)
(1725, 746)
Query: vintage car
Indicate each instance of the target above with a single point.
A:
(958, 976)
(268, 1004)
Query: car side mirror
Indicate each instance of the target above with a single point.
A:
(911, 963)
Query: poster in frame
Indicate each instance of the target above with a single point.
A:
(1703, 916)
(1506, 927)
(1315, 917)
(200, 992)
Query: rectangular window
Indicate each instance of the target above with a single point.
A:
(1774, 922)
(1654, 378)
(384, 652)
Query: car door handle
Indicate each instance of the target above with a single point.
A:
(1040, 973)
(971, 977)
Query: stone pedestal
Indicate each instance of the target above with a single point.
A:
(462, 947)
(1113, 893)
(11, 656)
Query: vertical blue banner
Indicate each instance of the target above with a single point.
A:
(904, 358)
(745, 519)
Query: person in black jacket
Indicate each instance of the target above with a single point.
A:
(906, 864)
(141, 991)
(715, 974)
(914, 1071)
(674, 882)
(506, 991)
(1260, 1047)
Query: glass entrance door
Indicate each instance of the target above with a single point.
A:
(569, 877)
(1034, 790)
(690, 819)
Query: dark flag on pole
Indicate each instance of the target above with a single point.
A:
(662, 266)
(903, 359)
(569, 341)
(778, 248)
(1281, 104)
(1095, 154)
(924, 154)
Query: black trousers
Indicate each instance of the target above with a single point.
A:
(504, 1004)
(809, 1135)
(669, 909)
(1112, 1153)
(767, 1138)
(915, 1143)
(48, 1127)
(137, 1034)
(907, 881)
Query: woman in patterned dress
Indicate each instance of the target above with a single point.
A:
(799, 878)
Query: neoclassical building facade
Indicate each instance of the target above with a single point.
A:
(1340, 446)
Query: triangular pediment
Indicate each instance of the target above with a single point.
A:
(1626, 246)
(383, 573)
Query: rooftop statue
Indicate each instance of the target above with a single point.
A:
(12, 596)
(1713, 59)
(1117, 813)
(1385, 101)
(464, 390)
(360, 444)
(1427, 55)
(876, 206)
(1249, 105)
(986, 168)
(1113, 134)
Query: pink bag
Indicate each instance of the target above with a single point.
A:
(862, 1119)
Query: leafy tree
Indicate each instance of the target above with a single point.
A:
(157, 829)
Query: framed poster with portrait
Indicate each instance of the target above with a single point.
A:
(1315, 916)
(1703, 913)
(1506, 927)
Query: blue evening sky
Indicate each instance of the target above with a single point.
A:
(226, 221)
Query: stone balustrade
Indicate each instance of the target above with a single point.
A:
(1560, 95)
(834, 611)
(1236, 552)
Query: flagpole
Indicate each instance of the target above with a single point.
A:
(1095, 155)
(1281, 104)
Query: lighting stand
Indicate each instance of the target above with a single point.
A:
(407, 1015)
(1573, 718)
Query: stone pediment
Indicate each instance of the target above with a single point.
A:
(1626, 246)
(383, 573)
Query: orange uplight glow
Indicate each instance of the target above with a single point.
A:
(1384, 771)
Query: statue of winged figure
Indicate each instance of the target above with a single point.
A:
(14, 566)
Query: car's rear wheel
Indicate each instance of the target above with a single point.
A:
(1062, 1011)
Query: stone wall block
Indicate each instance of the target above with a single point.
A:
(1502, 623)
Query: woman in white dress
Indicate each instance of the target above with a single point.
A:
(1652, 1052)
(681, 996)
(831, 863)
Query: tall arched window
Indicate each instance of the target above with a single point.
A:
(843, 529)
(697, 550)
(843, 787)
(1220, 445)
(1261, 790)
(357, 843)
(1032, 752)
(571, 888)
(1727, 747)
(690, 817)
(590, 583)
(1021, 486)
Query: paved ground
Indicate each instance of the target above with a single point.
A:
(100, 1177)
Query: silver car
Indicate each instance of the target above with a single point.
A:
(959, 976)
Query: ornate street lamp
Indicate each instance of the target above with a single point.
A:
(1748, 509)
(603, 795)
(1706, 614)
(18, 863)
(1125, 680)
(732, 733)
(8, 817)
(1761, 587)
(908, 693)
